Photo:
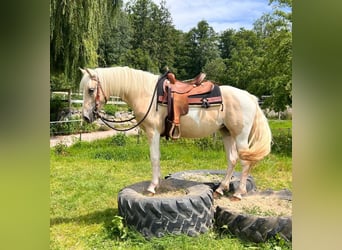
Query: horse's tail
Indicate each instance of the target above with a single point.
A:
(259, 139)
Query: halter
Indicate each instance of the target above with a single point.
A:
(98, 89)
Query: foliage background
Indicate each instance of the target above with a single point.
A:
(141, 35)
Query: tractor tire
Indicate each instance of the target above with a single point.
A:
(256, 228)
(234, 183)
(190, 212)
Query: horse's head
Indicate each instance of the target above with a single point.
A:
(93, 95)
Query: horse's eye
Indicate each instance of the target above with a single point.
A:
(91, 91)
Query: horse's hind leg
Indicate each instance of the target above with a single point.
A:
(246, 166)
(241, 144)
(232, 157)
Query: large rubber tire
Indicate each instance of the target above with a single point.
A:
(234, 184)
(190, 213)
(256, 228)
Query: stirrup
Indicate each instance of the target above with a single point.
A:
(175, 131)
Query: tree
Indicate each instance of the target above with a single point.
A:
(117, 35)
(275, 32)
(243, 53)
(227, 43)
(216, 71)
(75, 29)
(201, 46)
(152, 35)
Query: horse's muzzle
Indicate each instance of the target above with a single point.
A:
(87, 119)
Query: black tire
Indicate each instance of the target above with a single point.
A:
(190, 213)
(256, 228)
(234, 184)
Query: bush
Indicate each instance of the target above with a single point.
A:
(210, 142)
(119, 139)
(72, 126)
(116, 229)
(57, 105)
(61, 149)
(282, 142)
(110, 109)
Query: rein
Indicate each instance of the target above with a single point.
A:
(105, 120)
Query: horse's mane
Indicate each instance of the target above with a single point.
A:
(122, 80)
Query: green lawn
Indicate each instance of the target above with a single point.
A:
(85, 180)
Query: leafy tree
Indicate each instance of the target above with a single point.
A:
(216, 71)
(75, 29)
(243, 53)
(275, 33)
(153, 31)
(201, 46)
(117, 34)
(227, 43)
(164, 34)
(182, 57)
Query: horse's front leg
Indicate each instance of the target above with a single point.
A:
(154, 141)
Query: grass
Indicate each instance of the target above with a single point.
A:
(85, 180)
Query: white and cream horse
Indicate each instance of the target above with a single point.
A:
(244, 128)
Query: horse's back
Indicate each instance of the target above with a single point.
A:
(238, 101)
(232, 94)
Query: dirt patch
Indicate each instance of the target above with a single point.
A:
(166, 190)
(257, 205)
(205, 178)
(170, 193)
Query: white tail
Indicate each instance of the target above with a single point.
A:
(260, 139)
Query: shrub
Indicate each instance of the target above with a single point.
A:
(73, 126)
(282, 142)
(61, 149)
(119, 139)
(110, 109)
(57, 105)
(116, 229)
(210, 142)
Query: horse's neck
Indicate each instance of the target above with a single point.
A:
(132, 90)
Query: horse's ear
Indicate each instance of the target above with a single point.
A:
(83, 71)
(89, 72)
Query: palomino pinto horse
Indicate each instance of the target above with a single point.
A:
(244, 127)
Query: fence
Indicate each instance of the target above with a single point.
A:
(72, 125)
(66, 127)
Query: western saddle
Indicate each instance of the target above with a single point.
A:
(179, 94)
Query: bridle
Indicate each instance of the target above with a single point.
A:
(105, 120)
(98, 90)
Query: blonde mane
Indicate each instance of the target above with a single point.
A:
(122, 80)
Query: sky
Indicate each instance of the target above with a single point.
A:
(220, 14)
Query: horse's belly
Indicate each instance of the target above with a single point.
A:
(200, 122)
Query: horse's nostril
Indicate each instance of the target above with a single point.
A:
(86, 119)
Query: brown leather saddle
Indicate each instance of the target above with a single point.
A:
(178, 95)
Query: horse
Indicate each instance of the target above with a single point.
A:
(244, 128)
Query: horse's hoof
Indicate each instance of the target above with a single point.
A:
(151, 190)
(149, 194)
(236, 197)
(217, 195)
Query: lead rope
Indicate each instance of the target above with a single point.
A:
(105, 120)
